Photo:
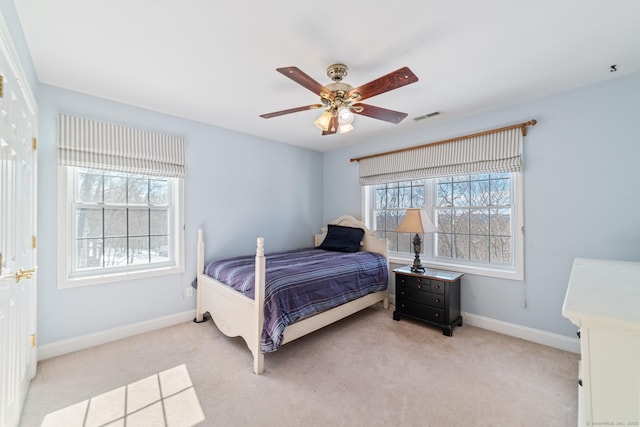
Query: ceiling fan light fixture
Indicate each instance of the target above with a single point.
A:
(324, 121)
(345, 116)
(344, 128)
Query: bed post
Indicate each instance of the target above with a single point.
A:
(199, 270)
(260, 276)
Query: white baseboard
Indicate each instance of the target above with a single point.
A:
(70, 345)
(523, 332)
(550, 339)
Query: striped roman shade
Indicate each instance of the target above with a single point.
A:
(489, 153)
(100, 145)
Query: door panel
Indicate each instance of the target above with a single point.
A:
(18, 354)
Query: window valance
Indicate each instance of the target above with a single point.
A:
(494, 151)
(100, 145)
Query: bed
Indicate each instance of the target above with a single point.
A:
(242, 312)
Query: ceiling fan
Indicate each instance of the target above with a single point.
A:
(341, 100)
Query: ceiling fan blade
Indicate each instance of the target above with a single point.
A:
(380, 113)
(291, 110)
(333, 126)
(300, 77)
(393, 80)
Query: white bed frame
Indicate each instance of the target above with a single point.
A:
(237, 315)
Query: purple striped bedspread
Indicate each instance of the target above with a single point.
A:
(302, 282)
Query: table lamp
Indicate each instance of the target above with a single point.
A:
(416, 221)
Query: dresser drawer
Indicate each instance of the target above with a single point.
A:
(413, 282)
(405, 294)
(421, 311)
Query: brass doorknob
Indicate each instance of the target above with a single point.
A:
(24, 274)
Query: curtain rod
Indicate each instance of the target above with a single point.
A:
(523, 126)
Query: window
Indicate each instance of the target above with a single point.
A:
(120, 202)
(115, 225)
(473, 214)
(479, 218)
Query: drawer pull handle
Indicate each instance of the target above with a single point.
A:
(401, 292)
(419, 286)
(437, 300)
(402, 305)
(437, 315)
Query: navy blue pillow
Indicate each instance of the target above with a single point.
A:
(342, 239)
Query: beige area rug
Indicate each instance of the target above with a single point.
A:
(366, 370)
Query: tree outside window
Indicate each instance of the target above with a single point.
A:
(473, 216)
(121, 220)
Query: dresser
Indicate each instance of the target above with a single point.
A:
(603, 300)
(432, 297)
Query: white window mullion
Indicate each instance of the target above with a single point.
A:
(430, 195)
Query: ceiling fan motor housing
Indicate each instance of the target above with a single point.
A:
(337, 72)
(339, 92)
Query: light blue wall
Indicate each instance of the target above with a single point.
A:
(580, 193)
(238, 187)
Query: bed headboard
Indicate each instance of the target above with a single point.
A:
(370, 242)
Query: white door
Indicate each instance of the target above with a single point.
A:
(18, 356)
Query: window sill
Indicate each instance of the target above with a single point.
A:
(462, 268)
(75, 282)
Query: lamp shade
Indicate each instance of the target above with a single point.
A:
(347, 127)
(324, 121)
(345, 116)
(416, 221)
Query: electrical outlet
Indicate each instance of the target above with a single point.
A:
(189, 291)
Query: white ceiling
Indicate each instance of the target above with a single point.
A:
(214, 61)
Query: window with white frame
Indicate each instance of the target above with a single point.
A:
(119, 216)
(478, 219)
(474, 217)
(469, 186)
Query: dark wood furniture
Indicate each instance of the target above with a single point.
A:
(432, 297)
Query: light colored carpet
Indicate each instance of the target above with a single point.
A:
(366, 370)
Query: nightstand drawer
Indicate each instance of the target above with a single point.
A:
(437, 286)
(422, 311)
(413, 282)
(405, 294)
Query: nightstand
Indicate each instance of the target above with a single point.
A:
(432, 297)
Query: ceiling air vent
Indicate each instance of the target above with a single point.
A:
(426, 116)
